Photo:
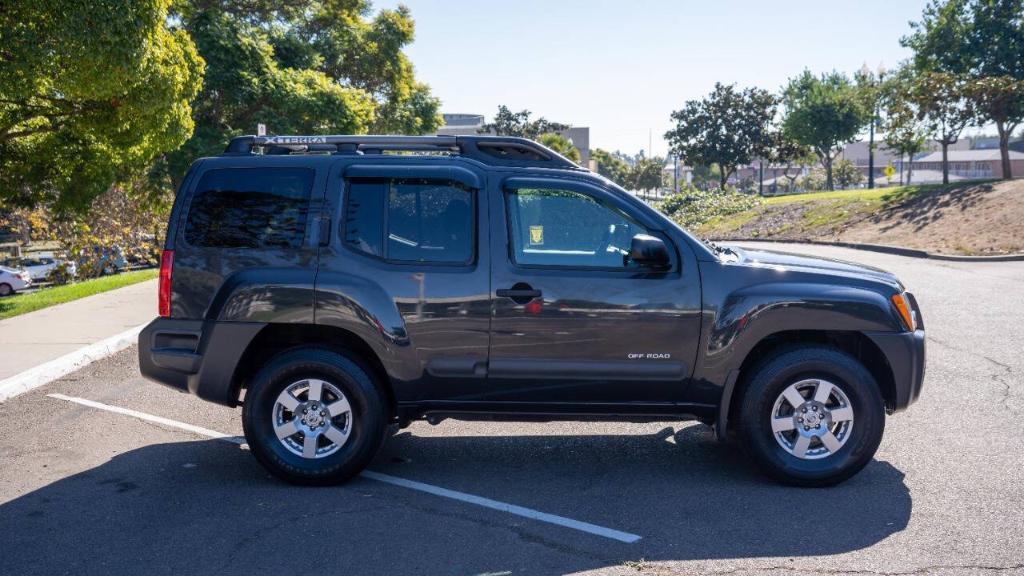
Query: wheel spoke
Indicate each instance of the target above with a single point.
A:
(783, 424)
(335, 409)
(801, 445)
(285, 430)
(336, 435)
(823, 391)
(842, 414)
(793, 396)
(315, 390)
(830, 442)
(309, 446)
(288, 401)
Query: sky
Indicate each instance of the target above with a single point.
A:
(622, 67)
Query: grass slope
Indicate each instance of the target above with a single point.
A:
(24, 303)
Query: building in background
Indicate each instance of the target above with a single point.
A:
(471, 124)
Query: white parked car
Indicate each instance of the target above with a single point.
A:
(40, 268)
(12, 280)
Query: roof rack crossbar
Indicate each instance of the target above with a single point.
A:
(501, 150)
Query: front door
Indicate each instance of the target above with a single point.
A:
(573, 319)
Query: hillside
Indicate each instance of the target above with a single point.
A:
(975, 218)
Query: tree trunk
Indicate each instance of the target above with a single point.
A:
(1004, 149)
(828, 173)
(723, 177)
(945, 162)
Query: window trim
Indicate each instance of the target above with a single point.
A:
(182, 234)
(387, 181)
(514, 185)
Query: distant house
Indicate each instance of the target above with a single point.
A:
(970, 164)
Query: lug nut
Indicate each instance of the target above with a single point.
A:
(323, 413)
(805, 410)
(807, 427)
(815, 408)
(817, 426)
(800, 419)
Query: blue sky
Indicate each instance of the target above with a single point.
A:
(622, 67)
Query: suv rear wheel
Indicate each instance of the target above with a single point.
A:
(811, 416)
(314, 416)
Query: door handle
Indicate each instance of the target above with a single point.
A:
(520, 293)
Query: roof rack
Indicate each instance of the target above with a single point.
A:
(494, 150)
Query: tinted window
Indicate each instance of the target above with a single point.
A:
(564, 228)
(250, 208)
(410, 220)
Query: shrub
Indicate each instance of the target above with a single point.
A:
(692, 208)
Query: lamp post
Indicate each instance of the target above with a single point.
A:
(874, 120)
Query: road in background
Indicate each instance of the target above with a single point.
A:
(87, 491)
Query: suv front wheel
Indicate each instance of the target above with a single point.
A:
(811, 416)
(314, 416)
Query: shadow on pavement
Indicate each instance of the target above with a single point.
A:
(207, 507)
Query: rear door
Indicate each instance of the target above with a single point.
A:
(573, 320)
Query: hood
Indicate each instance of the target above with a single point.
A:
(813, 264)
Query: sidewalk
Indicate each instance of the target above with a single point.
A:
(32, 339)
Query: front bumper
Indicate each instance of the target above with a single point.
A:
(196, 356)
(905, 353)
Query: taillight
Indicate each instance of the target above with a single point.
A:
(166, 263)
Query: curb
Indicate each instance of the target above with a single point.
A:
(49, 371)
(897, 250)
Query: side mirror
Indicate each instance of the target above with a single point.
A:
(649, 252)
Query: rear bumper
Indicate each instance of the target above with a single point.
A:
(196, 356)
(905, 352)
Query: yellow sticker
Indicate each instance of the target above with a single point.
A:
(536, 234)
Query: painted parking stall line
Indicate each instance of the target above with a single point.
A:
(467, 498)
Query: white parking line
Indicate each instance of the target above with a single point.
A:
(386, 478)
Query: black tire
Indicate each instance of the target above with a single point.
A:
(6, 290)
(772, 376)
(368, 426)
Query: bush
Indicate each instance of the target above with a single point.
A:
(692, 208)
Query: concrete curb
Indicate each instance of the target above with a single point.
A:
(897, 250)
(66, 364)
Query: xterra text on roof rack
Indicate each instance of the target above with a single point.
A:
(336, 285)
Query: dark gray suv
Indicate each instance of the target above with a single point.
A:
(337, 285)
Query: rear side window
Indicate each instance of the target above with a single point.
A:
(410, 220)
(250, 208)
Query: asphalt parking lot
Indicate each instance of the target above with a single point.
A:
(97, 488)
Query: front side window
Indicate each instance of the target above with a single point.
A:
(250, 208)
(550, 227)
(411, 220)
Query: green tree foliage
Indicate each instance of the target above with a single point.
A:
(299, 66)
(646, 174)
(944, 101)
(90, 92)
(789, 154)
(508, 123)
(982, 40)
(560, 144)
(905, 130)
(729, 127)
(611, 166)
(847, 174)
(823, 113)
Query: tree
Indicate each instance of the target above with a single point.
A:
(299, 66)
(90, 92)
(905, 131)
(847, 174)
(944, 102)
(508, 123)
(611, 166)
(823, 113)
(646, 174)
(984, 40)
(560, 144)
(783, 150)
(729, 127)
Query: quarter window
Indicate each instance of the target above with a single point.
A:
(551, 227)
(412, 220)
(250, 208)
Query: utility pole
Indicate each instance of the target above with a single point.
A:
(871, 132)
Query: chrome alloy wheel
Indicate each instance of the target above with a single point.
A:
(812, 419)
(312, 418)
